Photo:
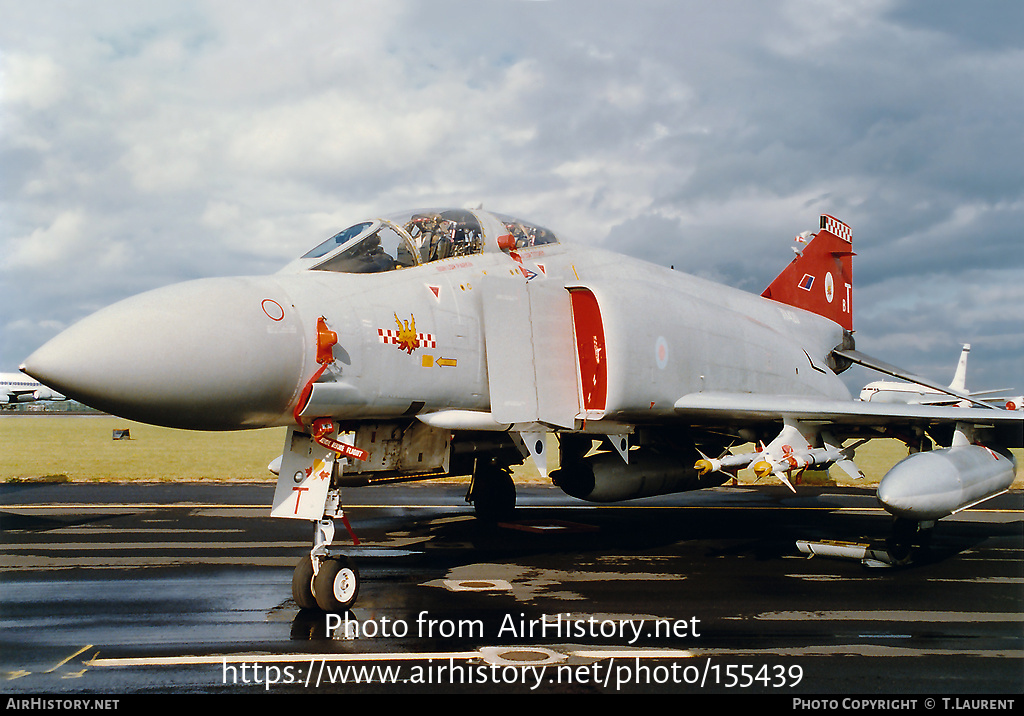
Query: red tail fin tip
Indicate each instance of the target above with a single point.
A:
(820, 278)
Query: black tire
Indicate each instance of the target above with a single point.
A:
(494, 494)
(302, 584)
(900, 544)
(336, 585)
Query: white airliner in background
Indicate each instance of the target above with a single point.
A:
(893, 391)
(19, 388)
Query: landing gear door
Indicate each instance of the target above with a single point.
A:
(304, 479)
(554, 354)
(508, 342)
(531, 363)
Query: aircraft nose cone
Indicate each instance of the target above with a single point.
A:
(213, 354)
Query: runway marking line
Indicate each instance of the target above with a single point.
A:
(495, 655)
(61, 663)
(118, 546)
(206, 506)
(481, 653)
(895, 616)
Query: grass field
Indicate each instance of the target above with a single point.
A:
(81, 449)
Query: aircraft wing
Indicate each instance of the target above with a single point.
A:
(752, 408)
(867, 361)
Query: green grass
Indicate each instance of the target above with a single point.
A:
(81, 449)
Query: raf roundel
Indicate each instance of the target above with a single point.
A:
(273, 309)
(661, 352)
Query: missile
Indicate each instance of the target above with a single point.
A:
(927, 486)
(763, 464)
(791, 451)
(799, 460)
(726, 463)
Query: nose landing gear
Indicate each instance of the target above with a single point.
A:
(323, 579)
(308, 489)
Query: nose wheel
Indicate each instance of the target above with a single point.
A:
(302, 584)
(336, 584)
(332, 587)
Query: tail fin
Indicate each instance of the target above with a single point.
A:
(820, 278)
(960, 377)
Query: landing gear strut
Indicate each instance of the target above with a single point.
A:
(906, 534)
(323, 580)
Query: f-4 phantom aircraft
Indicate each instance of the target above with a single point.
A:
(453, 342)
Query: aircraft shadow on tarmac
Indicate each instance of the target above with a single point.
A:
(690, 535)
(761, 534)
(17, 522)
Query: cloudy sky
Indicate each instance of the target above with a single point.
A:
(145, 143)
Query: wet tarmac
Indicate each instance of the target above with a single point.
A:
(186, 588)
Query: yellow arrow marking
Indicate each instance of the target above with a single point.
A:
(428, 361)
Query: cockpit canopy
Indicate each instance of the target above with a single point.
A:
(419, 237)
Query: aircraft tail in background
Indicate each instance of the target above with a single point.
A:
(912, 391)
(960, 377)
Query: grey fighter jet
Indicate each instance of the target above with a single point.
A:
(452, 341)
